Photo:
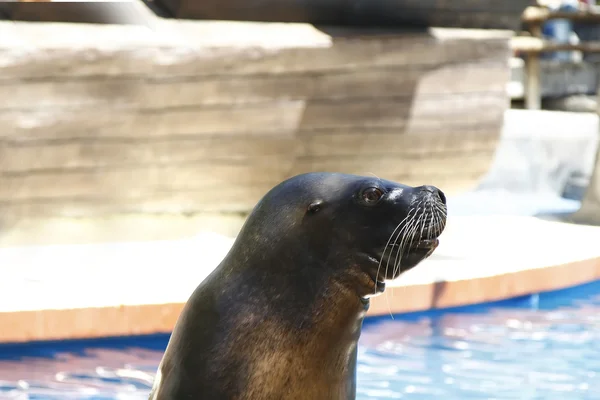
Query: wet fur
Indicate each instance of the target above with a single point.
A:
(281, 316)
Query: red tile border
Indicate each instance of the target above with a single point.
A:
(480, 290)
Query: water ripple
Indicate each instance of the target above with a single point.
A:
(505, 353)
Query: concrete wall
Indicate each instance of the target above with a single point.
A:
(207, 116)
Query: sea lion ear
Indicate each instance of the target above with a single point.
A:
(314, 207)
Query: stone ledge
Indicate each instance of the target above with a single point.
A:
(110, 120)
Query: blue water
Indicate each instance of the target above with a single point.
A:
(545, 346)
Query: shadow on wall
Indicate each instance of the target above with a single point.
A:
(361, 123)
(438, 290)
(482, 14)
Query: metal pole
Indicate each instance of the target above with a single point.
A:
(533, 95)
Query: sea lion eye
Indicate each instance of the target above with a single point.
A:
(315, 206)
(371, 195)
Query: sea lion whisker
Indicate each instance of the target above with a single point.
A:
(410, 237)
(402, 226)
(412, 234)
(405, 231)
(401, 233)
(430, 223)
(401, 248)
(440, 207)
(389, 257)
(441, 222)
(394, 245)
(441, 212)
(391, 249)
(429, 218)
(417, 225)
(424, 216)
(411, 231)
(398, 247)
(435, 220)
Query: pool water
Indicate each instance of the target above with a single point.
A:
(545, 346)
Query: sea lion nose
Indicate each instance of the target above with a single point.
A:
(435, 191)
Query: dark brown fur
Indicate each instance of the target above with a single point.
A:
(281, 316)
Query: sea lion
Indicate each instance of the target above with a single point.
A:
(281, 315)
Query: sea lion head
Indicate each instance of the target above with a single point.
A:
(366, 228)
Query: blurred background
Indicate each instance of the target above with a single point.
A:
(135, 138)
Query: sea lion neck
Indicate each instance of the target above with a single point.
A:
(303, 287)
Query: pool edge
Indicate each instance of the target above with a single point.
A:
(147, 319)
